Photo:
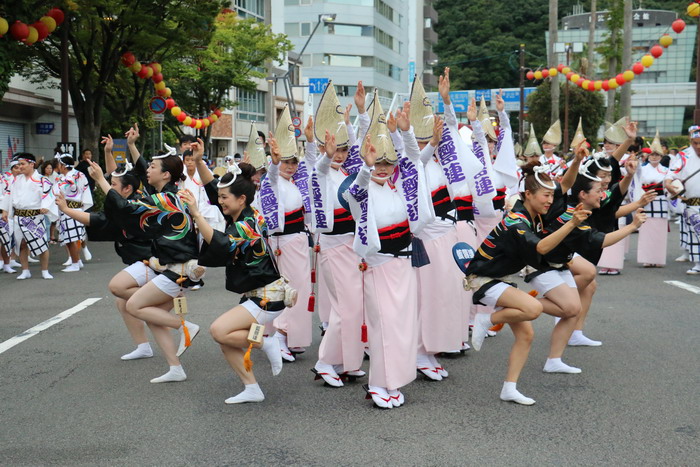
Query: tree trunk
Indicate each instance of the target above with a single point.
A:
(626, 92)
(591, 37)
(551, 57)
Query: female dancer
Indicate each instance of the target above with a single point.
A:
(161, 217)
(74, 187)
(250, 269)
(130, 249)
(386, 218)
(290, 240)
(653, 235)
(511, 245)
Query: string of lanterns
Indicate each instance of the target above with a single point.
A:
(153, 71)
(622, 78)
(35, 32)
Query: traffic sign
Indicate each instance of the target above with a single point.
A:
(486, 93)
(158, 117)
(157, 105)
(119, 150)
(460, 101)
(297, 133)
(296, 121)
(317, 85)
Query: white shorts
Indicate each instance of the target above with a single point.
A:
(143, 274)
(140, 272)
(260, 315)
(493, 294)
(547, 281)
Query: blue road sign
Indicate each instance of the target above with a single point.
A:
(157, 105)
(411, 71)
(460, 101)
(486, 93)
(317, 85)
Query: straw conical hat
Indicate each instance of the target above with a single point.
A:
(284, 134)
(422, 117)
(518, 149)
(616, 133)
(256, 149)
(578, 136)
(553, 135)
(488, 127)
(532, 148)
(379, 134)
(656, 145)
(330, 116)
(483, 110)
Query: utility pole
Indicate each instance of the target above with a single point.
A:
(696, 114)
(64, 80)
(522, 95)
(565, 147)
(551, 57)
(626, 93)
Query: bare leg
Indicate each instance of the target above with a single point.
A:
(24, 255)
(123, 285)
(568, 305)
(74, 251)
(230, 330)
(586, 300)
(44, 260)
(584, 274)
(517, 307)
(5, 256)
(135, 326)
(165, 341)
(147, 304)
(524, 334)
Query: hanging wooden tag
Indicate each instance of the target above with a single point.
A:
(255, 335)
(180, 305)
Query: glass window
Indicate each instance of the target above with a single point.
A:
(384, 9)
(291, 2)
(251, 8)
(251, 105)
(291, 29)
(305, 29)
(356, 30)
(343, 60)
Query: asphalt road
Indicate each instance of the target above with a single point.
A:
(67, 398)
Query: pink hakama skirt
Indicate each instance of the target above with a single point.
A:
(439, 283)
(342, 344)
(391, 306)
(323, 300)
(294, 264)
(613, 257)
(651, 241)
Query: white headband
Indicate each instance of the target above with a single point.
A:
(596, 156)
(171, 152)
(127, 168)
(544, 169)
(583, 170)
(235, 170)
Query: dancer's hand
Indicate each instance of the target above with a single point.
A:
(370, 152)
(391, 122)
(500, 103)
(330, 145)
(579, 215)
(346, 114)
(95, 171)
(437, 131)
(61, 202)
(639, 218)
(197, 149)
(188, 198)
(309, 130)
(403, 117)
(108, 142)
(471, 111)
(275, 154)
(360, 96)
(444, 86)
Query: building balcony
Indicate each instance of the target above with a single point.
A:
(430, 35)
(430, 12)
(429, 56)
(430, 81)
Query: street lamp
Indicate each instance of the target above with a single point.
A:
(324, 18)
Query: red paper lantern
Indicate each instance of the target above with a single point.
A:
(545, 73)
(569, 75)
(128, 59)
(560, 67)
(620, 79)
(580, 81)
(217, 112)
(605, 85)
(181, 117)
(170, 103)
(678, 26)
(591, 86)
(657, 51)
(19, 31)
(57, 15)
(157, 78)
(530, 75)
(638, 68)
(157, 68)
(41, 29)
(143, 72)
(149, 72)
(193, 123)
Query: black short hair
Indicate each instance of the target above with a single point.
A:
(187, 139)
(262, 135)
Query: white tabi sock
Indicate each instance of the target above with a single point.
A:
(555, 365)
(271, 347)
(578, 339)
(8, 269)
(510, 393)
(142, 351)
(46, 275)
(175, 374)
(251, 393)
(25, 275)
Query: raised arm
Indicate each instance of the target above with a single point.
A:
(614, 237)
(110, 163)
(631, 130)
(569, 177)
(550, 242)
(410, 144)
(205, 174)
(77, 214)
(131, 137)
(444, 89)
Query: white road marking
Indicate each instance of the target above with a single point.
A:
(9, 343)
(684, 286)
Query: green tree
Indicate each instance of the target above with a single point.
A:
(585, 104)
(239, 51)
(98, 33)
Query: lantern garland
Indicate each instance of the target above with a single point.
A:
(153, 71)
(35, 32)
(623, 78)
(694, 9)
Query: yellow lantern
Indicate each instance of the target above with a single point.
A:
(175, 111)
(160, 85)
(3, 26)
(553, 72)
(49, 22)
(612, 83)
(213, 117)
(647, 60)
(584, 85)
(666, 40)
(628, 75)
(693, 10)
(575, 78)
(33, 36)
(187, 121)
(538, 74)
(565, 70)
(598, 85)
